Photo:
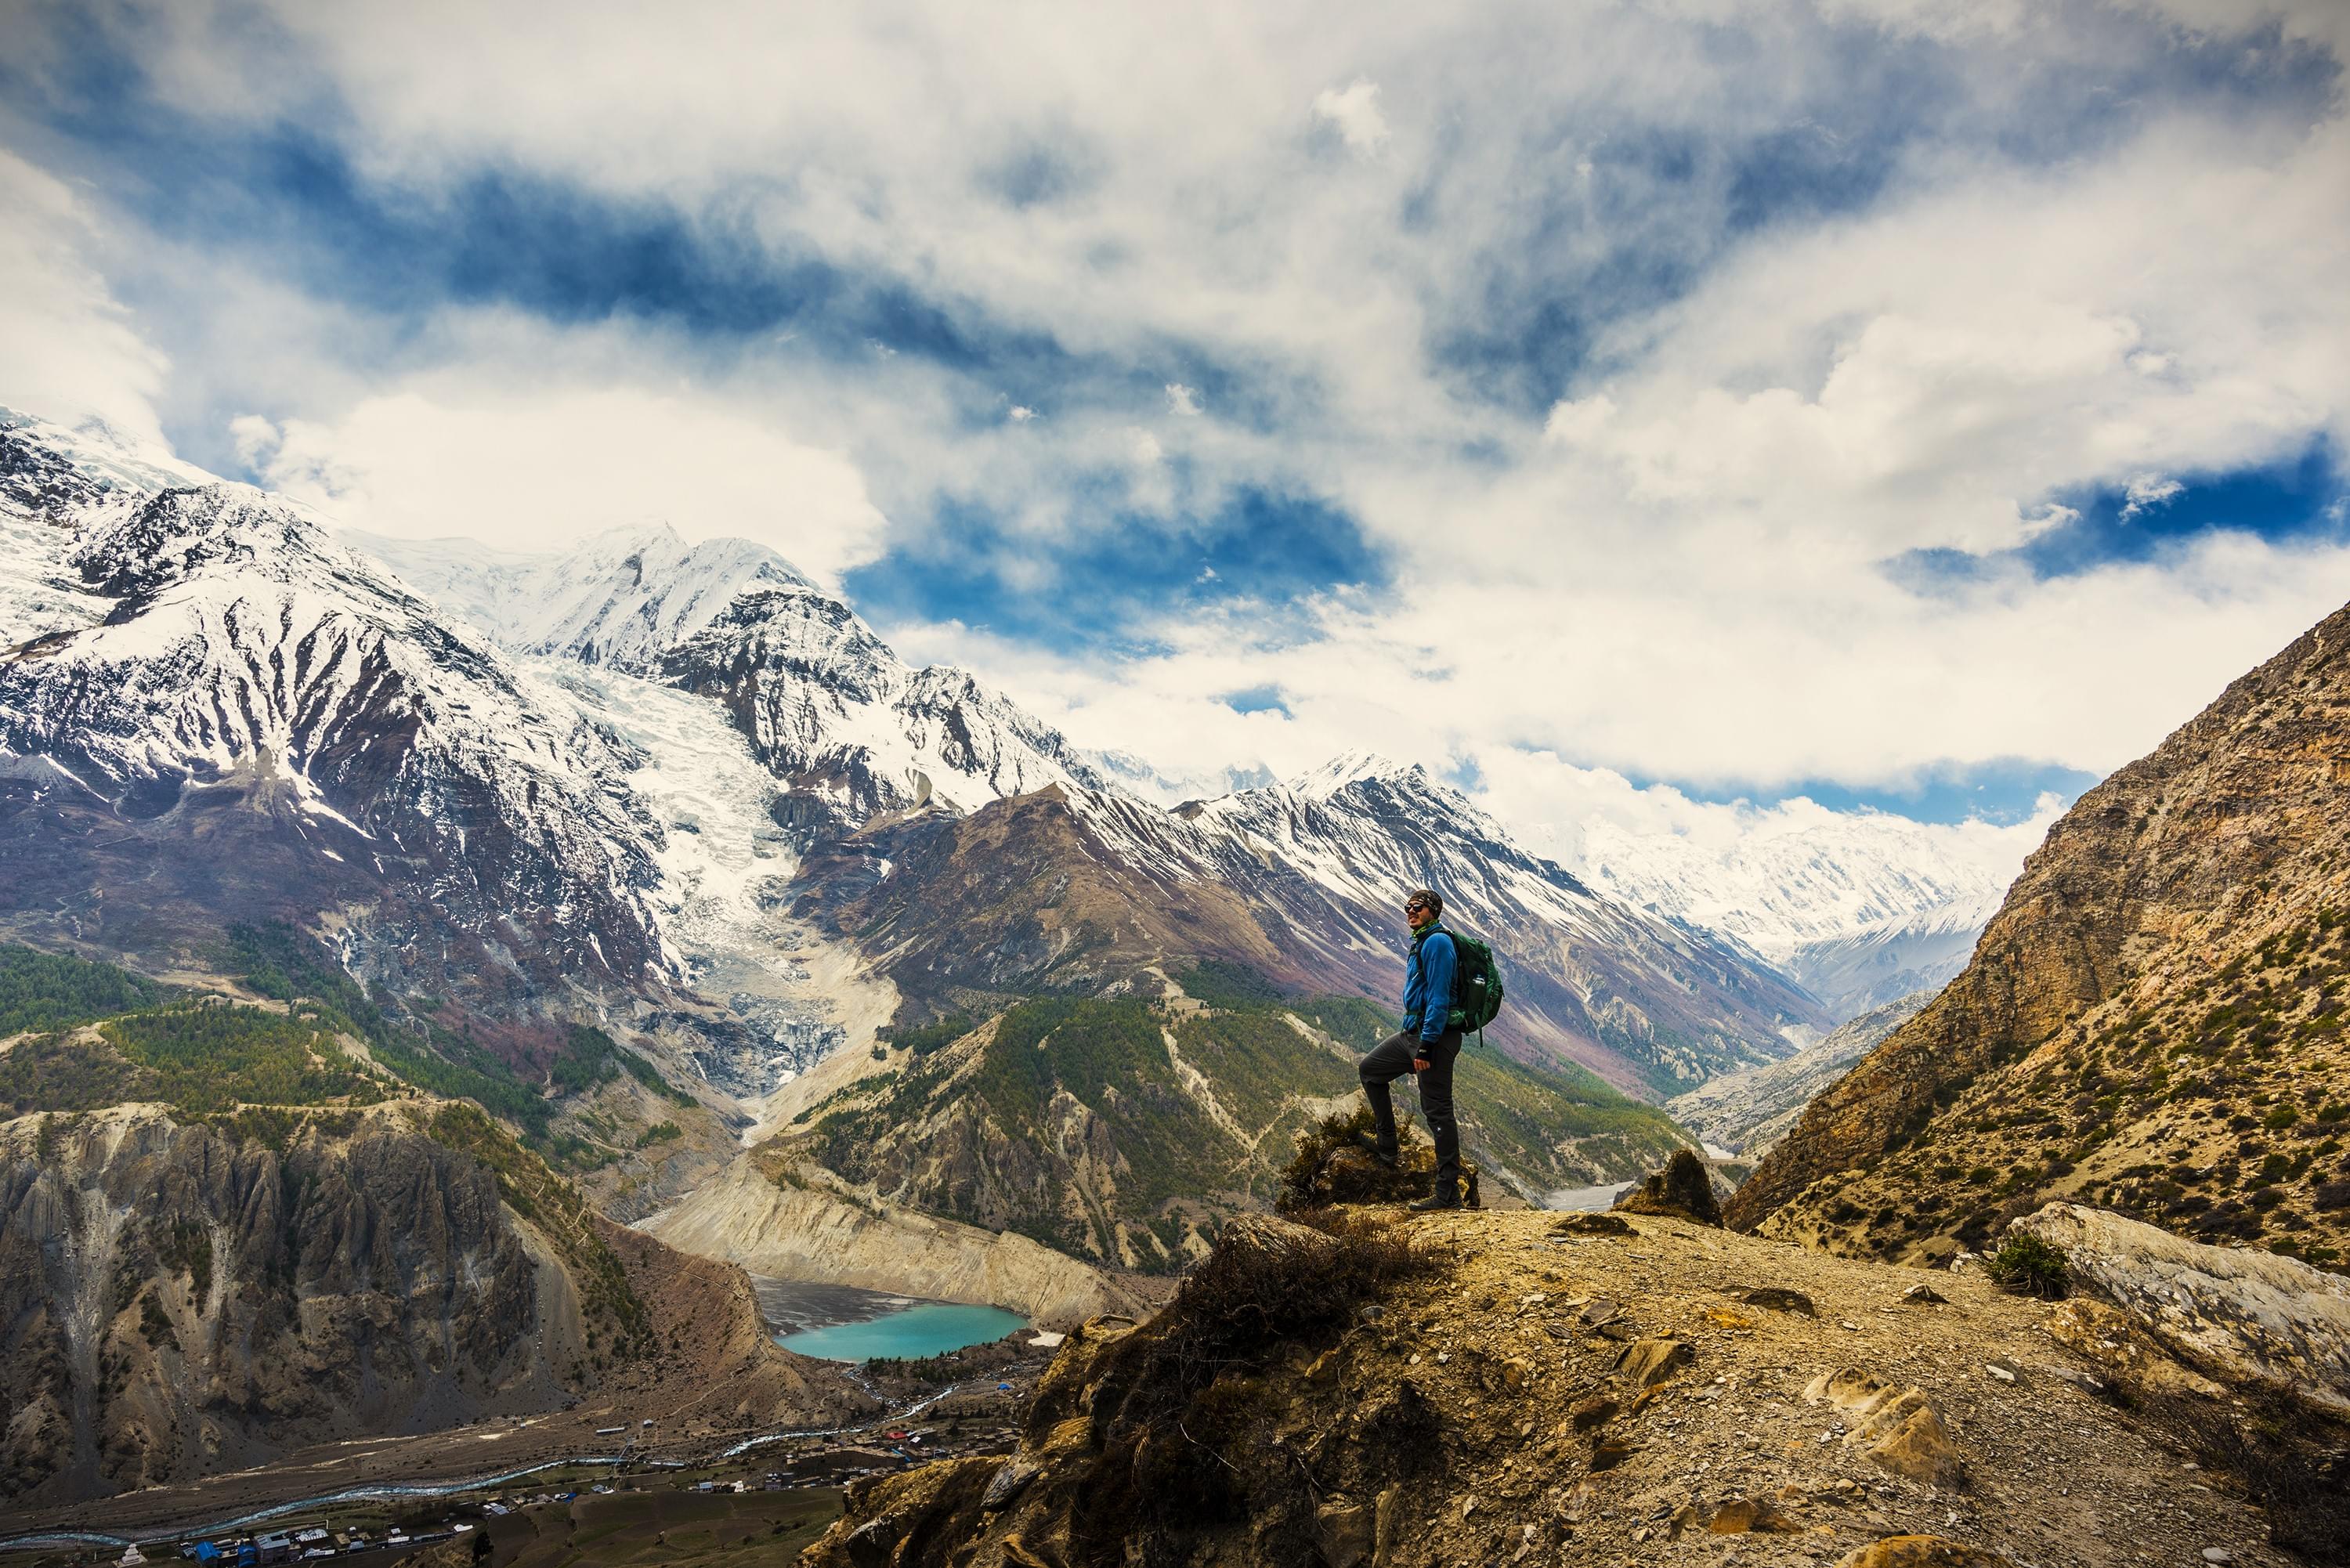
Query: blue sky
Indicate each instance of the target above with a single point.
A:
(1899, 403)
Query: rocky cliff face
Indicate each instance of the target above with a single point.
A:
(2153, 1021)
(186, 1298)
(182, 1296)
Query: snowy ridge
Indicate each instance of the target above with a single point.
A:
(620, 598)
(54, 482)
(1830, 875)
(1861, 908)
(245, 650)
(830, 707)
(1140, 776)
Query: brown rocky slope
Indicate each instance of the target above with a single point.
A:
(1516, 1387)
(2153, 1023)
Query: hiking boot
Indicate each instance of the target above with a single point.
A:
(1443, 1197)
(1385, 1154)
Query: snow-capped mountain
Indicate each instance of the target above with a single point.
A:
(1860, 907)
(621, 599)
(54, 482)
(535, 750)
(828, 706)
(1300, 878)
(1670, 998)
(264, 723)
(1140, 776)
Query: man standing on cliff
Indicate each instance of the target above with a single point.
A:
(1427, 1045)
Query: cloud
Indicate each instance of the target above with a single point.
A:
(1355, 111)
(537, 467)
(1635, 368)
(2147, 491)
(73, 352)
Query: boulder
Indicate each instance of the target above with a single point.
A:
(1007, 1483)
(1346, 1531)
(1682, 1191)
(1896, 1427)
(2241, 1316)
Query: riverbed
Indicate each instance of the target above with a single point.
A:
(1590, 1200)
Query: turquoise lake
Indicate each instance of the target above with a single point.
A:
(925, 1328)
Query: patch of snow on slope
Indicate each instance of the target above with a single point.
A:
(724, 863)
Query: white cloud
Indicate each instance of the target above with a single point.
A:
(1579, 419)
(2147, 491)
(1021, 414)
(1673, 569)
(72, 353)
(1355, 111)
(537, 467)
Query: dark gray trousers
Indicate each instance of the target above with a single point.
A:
(1390, 1059)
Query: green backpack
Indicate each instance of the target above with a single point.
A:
(1476, 982)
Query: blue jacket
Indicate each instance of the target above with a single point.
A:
(1428, 985)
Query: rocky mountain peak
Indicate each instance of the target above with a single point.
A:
(1355, 766)
(619, 598)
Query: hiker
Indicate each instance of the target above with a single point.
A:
(1427, 1045)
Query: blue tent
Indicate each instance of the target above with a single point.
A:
(206, 1552)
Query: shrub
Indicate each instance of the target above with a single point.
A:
(1173, 1403)
(2026, 1265)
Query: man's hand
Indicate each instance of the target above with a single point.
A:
(1420, 1064)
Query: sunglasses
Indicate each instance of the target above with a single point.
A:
(1413, 908)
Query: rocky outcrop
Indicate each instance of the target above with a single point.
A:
(1683, 1189)
(2244, 1317)
(1494, 1393)
(807, 1232)
(2153, 1021)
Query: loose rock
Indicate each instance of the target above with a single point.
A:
(1650, 1362)
(1751, 1516)
(1779, 1300)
